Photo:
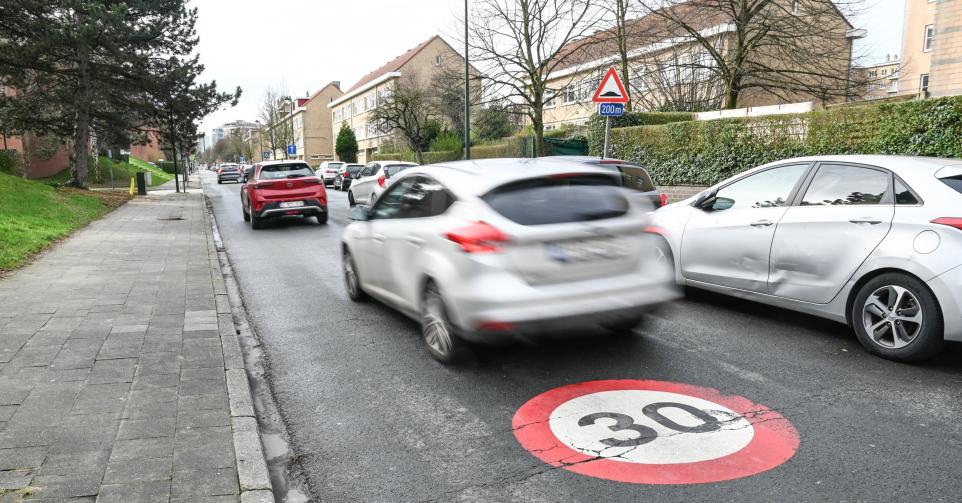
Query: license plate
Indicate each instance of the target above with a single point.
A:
(292, 204)
(585, 250)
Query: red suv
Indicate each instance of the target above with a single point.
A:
(279, 188)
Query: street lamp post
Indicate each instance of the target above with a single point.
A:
(467, 89)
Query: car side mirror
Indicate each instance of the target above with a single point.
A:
(706, 200)
(720, 203)
(361, 213)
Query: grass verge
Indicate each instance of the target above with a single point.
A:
(33, 215)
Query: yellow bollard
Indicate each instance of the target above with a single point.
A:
(133, 186)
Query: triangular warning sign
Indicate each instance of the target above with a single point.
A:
(611, 89)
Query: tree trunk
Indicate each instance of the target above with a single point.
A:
(731, 95)
(537, 123)
(419, 156)
(81, 142)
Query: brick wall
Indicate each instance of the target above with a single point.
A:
(679, 192)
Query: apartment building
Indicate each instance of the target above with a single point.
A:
(353, 108)
(932, 48)
(669, 69)
(881, 80)
(312, 122)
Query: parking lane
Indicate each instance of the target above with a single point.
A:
(376, 419)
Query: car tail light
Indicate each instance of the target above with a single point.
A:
(478, 237)
(950, 221)
(663, 199)
(611, 161)
(311, 180)
(651, 229)
(381, 179)
(261, 185)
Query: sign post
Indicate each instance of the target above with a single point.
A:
(611, 98)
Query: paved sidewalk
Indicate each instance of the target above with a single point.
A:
(114, 348)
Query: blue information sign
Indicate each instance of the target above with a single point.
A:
(292, 149)
(267, 155)
(611, 109)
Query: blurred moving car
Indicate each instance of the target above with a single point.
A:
(871, 241)
(328, 170)
(503, 248)
(370, 182)
(281, 188)
(344, 175)
(228, 172)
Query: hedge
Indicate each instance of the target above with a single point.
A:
(408, 156)
(705, 152)
(167, 166)
(596, 124)
(8, 163)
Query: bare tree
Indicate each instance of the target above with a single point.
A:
(518, 43)
(275, 114)
(411, 113)
(787, 48)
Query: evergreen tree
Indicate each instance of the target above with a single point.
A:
(94, 61)
(346, 145)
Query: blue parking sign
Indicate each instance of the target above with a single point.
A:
(611, 109)
(292, 149)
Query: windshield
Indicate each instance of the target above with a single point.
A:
(280, 171)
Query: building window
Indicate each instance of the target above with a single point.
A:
(872, 73)
(359, 132)
(885, 71)
(794, 6)
(437, 60)
(929, 36)
(549, 99)
(924, 84)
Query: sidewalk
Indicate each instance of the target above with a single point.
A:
(121, 378)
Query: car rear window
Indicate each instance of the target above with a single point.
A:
(557, 200)
(393, 169)
(353, 169)
(955, 182)
(280, 171)
(334, 165)
(636, 178)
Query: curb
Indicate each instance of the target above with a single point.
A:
(252, 472)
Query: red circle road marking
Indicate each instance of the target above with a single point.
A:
(775, 440)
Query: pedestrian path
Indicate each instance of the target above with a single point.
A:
(114, 347)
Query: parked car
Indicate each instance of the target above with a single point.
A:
(344, 175)
(246, 171)
(228, 172)
(504, 248)
(281, 188)
(871, 241)
(633, 177)
(328, 170)
(370, 182)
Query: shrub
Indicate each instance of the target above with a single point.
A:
(705, 152)
(429, 157)
(447, 141)
(346, 144)
(8, 163)
(167, 166)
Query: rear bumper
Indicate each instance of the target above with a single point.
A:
(947, 288)
(520, 311)
(273, 209)
(233, 177)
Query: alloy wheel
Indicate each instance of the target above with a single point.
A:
(892, 317)
(350, 276)
(437, 333)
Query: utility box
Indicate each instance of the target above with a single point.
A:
(141, 183)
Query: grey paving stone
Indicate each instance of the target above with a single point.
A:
(138, 470)
(198, 483)
(203, 448)
(154, 381)
(12, 480)
(149, 410)
(64, 486)
(156, 427)
(251, 467)
(6, 412)
(91, 463)
(257, 497)
(142, 448)
(229, 498)
(202, 419)
(21, 457)
(239, 392)
(203, 402)
(139, 492)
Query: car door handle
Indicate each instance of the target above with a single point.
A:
(866, 220)
(762, 223)
(379, 238)
(415, 241)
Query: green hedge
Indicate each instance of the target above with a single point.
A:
(596, 125)
(705, 152)
(408, 156)
(167, 166)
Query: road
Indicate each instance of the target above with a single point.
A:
(374, 418)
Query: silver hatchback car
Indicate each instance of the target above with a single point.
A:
(500, 248)
(871, 241)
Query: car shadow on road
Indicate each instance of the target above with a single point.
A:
(289, 222)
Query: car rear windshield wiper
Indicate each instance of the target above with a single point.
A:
(296, 176)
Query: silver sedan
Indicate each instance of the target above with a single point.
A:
(871, 241)
(501, 248)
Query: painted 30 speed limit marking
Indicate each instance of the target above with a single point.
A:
(653, 432)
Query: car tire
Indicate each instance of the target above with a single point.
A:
(255, 220)
(352, 282)
(219, 181)
(372, 200)
(350, 199)
(247, 218)
(663, 257)
(437, 332)
(322, 218)
(897, 317)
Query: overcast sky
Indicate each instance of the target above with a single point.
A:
(304, 44)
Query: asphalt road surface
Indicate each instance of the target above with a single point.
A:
(374, 418)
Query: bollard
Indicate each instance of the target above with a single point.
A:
(141, 183)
